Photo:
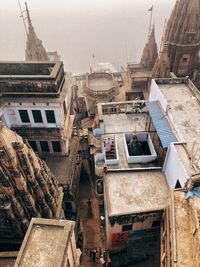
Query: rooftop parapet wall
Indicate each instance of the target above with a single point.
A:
(30, 78)
(100, 85)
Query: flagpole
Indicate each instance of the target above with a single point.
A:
(151, 9)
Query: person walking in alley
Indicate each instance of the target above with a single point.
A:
(89, 203)
(93, 253)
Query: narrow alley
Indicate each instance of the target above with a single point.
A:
(90, 223)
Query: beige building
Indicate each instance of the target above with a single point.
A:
(180, 235)
(48, 243)
(100, 87)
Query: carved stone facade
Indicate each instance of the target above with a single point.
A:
(181, 44)
(27, 186)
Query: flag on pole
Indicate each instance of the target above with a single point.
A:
(151, 8)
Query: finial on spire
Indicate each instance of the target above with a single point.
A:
(28, 15)
(151, 10)
(22, 16)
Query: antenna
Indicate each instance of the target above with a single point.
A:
(22, 16)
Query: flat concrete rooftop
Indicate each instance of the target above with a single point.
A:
(185, 109)
(123, 163)
(130, 192)
(45, 243)
(124, 122)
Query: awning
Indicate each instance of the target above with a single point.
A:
(161, 124)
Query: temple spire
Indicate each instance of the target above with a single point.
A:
(35, 50)
(180, 53)
(150, 52)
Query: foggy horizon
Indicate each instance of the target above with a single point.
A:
(114, 30)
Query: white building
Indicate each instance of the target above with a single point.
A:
(180, 101)
(35, 102)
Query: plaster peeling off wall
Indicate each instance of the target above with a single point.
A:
(173, 168)
(156, 95)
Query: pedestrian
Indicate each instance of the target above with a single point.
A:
(94, 252)
(89, 203)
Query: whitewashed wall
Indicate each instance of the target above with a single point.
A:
(174, 169)
(12, 117)
(156, 95)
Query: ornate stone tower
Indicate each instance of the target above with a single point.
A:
(180, 53)
(27, 187)
(35, 50)
(150, 52)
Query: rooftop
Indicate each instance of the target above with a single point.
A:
(63, 167)
(45, 243)
(184, 238)
(142, 74)
(47, 97)
(120, 117)
(135, 192)
(31, 78)
(185, 110)
(100, 81)
(182, 107)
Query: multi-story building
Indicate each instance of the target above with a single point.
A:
(180, 223)
(35, 102)
(135, 188)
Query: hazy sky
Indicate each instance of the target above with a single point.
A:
(113, 30)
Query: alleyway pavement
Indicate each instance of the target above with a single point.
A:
(90, 224)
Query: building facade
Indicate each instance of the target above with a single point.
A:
(35, 102)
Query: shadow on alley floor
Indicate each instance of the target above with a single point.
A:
(90, 223)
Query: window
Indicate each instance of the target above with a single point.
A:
(33, 145)
(37, 116)
(24, 116)
(127, 227)
(56, 146)
(156, 224)
(50, 116)
(44, 146)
